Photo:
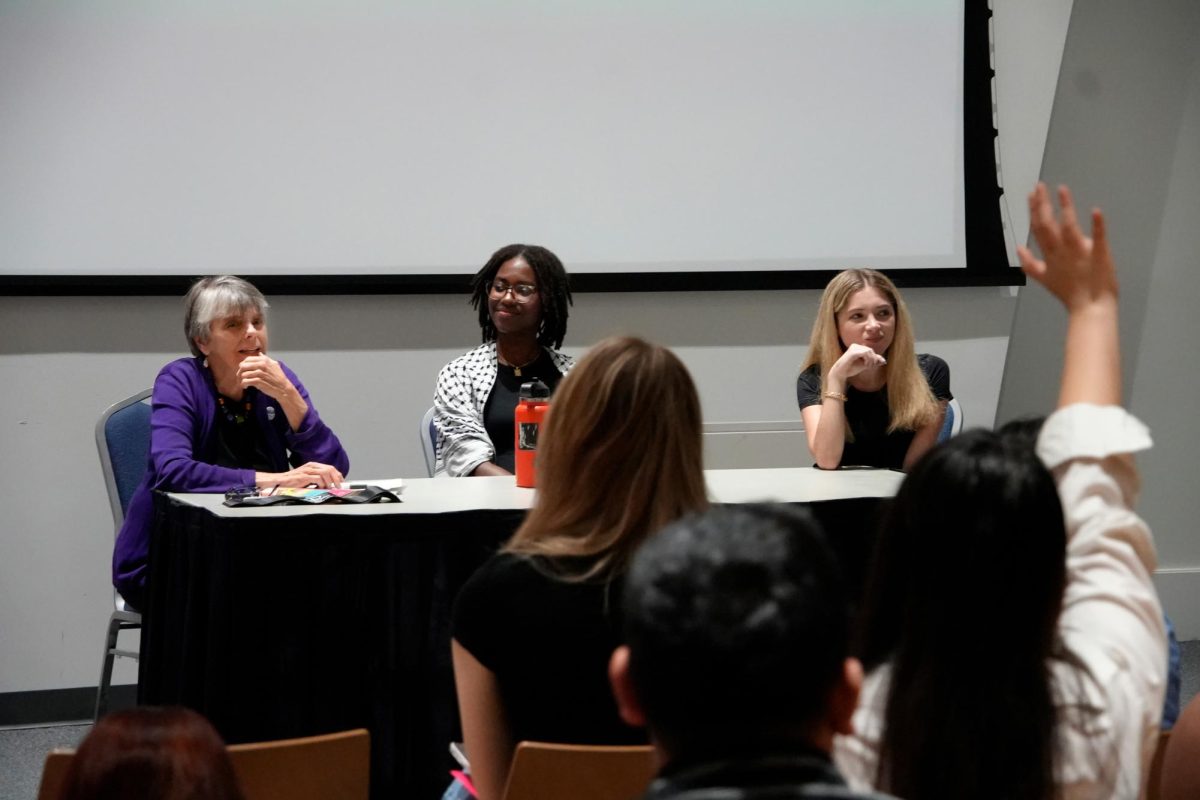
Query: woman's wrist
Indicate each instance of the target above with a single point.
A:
(294, 408)
(833, 383)
(1102, 308)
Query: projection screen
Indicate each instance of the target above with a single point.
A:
(413, 138)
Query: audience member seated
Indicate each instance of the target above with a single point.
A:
(736, 656)
(1012, 636)
(620, 457)
(230, 416)
(163, 753)
(523, 298)
(866, 398)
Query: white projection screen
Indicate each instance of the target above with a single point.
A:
(413, 138)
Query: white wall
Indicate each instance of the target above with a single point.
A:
(1125, 134)
(370, 363)
(1167, 376)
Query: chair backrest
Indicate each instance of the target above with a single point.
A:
(1180, 773)
(952, 425)
(428, 435)
(334, 765)
(54, 773)
(542, 771)
(123, 439)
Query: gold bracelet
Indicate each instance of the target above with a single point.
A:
(836, 396)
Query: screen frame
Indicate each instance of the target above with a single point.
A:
(986, 254)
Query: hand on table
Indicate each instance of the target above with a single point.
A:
(313, 473)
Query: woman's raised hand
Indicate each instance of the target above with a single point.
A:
(265, 374)
(1076, 269)
(858, 357)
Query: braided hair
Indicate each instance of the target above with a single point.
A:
(554, 290)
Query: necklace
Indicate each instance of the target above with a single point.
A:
(234, 415)
(516, 368)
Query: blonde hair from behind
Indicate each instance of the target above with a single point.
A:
(911, 403)
(620, 457)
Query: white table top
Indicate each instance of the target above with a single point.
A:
(442, 495)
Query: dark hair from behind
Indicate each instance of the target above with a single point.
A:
(737, 625)
(1022, 432)
(167, 753)
(962, 603)
(554, 289)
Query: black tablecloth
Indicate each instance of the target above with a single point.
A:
(275, 627)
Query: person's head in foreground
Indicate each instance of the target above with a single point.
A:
(974, 541)
(164, 753)
(620, 457)
(736, 629)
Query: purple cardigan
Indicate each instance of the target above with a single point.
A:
(183, 443)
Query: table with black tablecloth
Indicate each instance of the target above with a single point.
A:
(296, 620)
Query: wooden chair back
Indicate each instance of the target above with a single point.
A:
(54, 773)
(334, 766)
(543, 771)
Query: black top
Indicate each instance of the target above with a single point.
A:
(867, 413)
(548, 642)
(808, 775)
(239, 442)
(501, 404)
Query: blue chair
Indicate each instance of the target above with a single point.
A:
(123, 439)
(428, 435)
(952, 425)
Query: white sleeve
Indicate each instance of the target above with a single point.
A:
(1111, 621)
(462, 442)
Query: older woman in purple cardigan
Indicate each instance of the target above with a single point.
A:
(230, 416)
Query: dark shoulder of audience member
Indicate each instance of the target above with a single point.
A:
(165, 753)
(736, 623)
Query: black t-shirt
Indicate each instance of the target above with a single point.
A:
(867, 413)
(548, 641)
(501, 404)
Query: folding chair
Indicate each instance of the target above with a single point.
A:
(123, 439)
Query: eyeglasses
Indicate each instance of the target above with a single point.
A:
(522, 292)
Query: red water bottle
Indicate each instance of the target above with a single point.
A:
(527, 422)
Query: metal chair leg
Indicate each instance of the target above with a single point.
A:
(106, 666)
(117, 622)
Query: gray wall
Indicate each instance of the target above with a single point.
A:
(370, 363)
(1125, 135)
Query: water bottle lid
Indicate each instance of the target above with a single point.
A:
(535, 390)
